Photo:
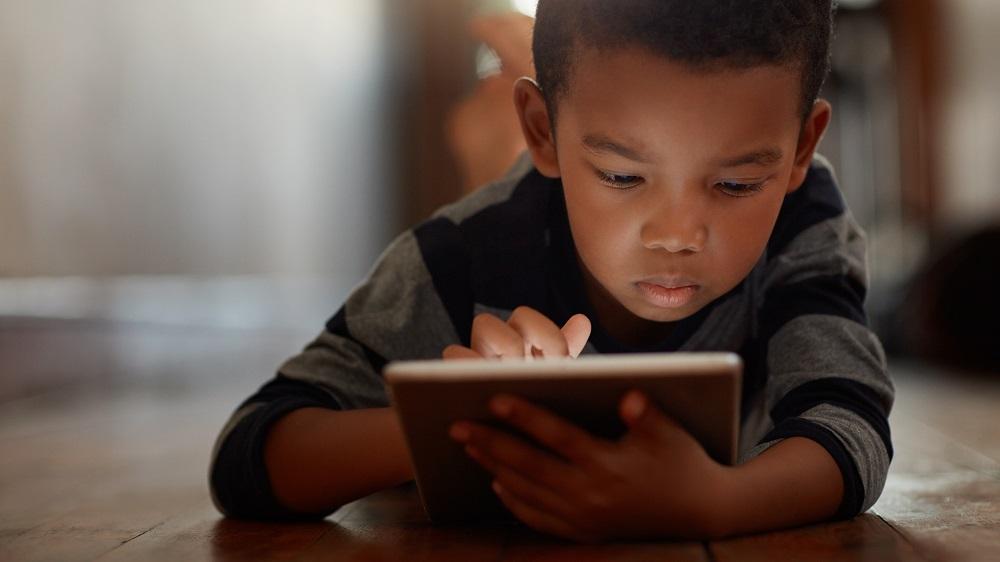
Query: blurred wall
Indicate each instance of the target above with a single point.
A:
(970, 143)
(194, 137)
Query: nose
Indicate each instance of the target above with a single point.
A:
(675, 226)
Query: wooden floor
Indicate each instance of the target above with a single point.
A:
(105, 433)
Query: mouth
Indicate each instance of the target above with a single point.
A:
(668, 292)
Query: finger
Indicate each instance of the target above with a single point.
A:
(484, 460)
(537, 519)
(558, 435)
(537, 496)
(500, 447)
(538, 331)
(455, 351)
(576, 330)
(492, 337)
(645, 420)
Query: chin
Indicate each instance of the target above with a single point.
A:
(654, 314)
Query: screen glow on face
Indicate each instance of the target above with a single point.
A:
(673, 178)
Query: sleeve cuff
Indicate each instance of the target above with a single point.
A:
(239, 480)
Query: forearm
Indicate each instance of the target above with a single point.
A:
(794, 482)
(319, 459)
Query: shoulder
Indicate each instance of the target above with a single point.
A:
(495, 214)
(815, 202)
(499, 229)
(476, 249)
(815, 233)
(500, 193)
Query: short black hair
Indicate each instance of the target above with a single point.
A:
(706, 34)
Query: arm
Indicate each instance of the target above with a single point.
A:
(820, 371)
(793, 483)
(305, 452)
(299, 447)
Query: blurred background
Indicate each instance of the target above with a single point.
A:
(218, 174)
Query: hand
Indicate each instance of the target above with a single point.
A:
(483, 130)
(528, 333)
(655, 482)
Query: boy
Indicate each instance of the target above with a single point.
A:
(671, 201)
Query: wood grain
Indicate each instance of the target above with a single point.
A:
(117, 470)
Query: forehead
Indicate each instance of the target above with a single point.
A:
(651, 100)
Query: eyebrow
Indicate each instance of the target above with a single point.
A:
(601, 143)
(763, 157)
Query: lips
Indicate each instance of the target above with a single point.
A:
(670, 281)
(668, 292)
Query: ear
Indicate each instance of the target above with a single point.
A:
(809, 137)
(535, 126)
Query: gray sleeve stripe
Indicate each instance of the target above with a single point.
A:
(814, 347)
(398, 311)
(338, 366)
(862, 443)
(835, 246)
(493, 193)
(843, 393)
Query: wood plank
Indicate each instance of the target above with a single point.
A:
(118, 472)
(941, 494)
(961, 406)
(202, 534)
(396, 518)
(391, 525)
(525, 545)
(95, 468)
(866, 537)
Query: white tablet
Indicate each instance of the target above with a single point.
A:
(700, 390)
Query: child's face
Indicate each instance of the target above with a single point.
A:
(703, 161)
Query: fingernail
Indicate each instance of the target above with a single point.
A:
(501, 407)
(472, 451)
(497, 487)
(460, 432)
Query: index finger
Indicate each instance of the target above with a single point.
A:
(557, 434)
(538, 331)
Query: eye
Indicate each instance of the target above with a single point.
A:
(736, 189)
(618, 181)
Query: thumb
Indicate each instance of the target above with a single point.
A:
(576, 330)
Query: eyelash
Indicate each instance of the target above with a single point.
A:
(614, 180)
(734, 189)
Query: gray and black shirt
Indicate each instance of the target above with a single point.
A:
(812, 368)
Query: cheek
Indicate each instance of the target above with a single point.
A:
(601, 228)
(743, 236)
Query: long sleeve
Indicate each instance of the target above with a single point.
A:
(826, 372)
(395, 313)
(416, 300)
